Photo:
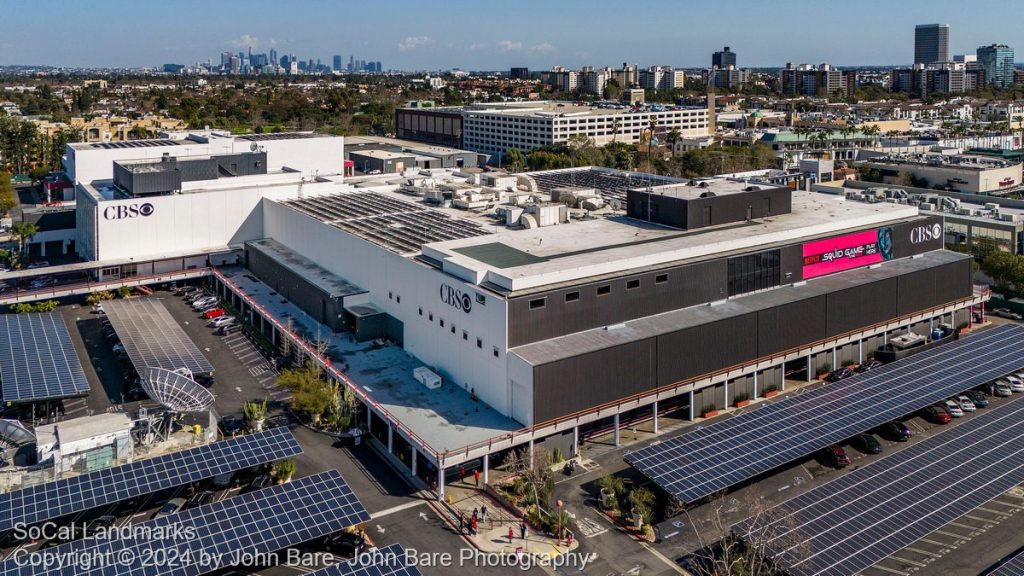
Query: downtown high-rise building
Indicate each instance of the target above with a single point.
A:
(723, 58)
(931, 43)
(337, 63)
(996, 61)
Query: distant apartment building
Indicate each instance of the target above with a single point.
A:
(727, 78)
(519, 73)
(494, 128)
(595, 81)
(997, 62)
(441, 126)
(945, 77)
(931, 43)
(561, 79)
(661, 78)
(822, 80)
(962, 173)
(723, 58)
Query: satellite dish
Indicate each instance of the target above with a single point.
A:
(253, 146)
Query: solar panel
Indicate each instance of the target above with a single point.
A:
(152, 337)
(1013, 566)
(717, 456)
(37, 359)
(387, 561)
(175, 391)
(79, 493)
(853, 522)
(204, 539)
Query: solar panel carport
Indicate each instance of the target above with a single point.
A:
(853, 522)
(37, 359)
(152, 337)
(720, 455)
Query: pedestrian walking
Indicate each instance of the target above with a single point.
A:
(462, 473)
(522, 530)
(483, 512)
(568, 540)
(462, 522)
(472, 524)
(476, 513)
(476, 477)
(509, 534)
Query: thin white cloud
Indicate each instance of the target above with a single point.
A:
(246, 40)
(509, 45)
(543, 48)
(414, 43)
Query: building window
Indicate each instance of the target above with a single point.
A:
(538, 303)
(398, 299)
(442, 322)
(495, 351)
(661, 278)
(391, 296)
(631, 284)
(453, 328)
(479, 342)
(572, 296)
(421, 311)
(606, 289)
(431, 316)
(465, 335)
(754, 272)
(481, 299)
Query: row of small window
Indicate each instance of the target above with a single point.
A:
(465, 334)
(602, 290)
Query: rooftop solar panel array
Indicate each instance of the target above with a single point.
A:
(714, 457)
(853, 522)
(135, 144)
(387, 561)
(609, 184)
(204, 539)
(1013, 566)
(399, 226)
(152, 337)
(79, 493)
(37, 359)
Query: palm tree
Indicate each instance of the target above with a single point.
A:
(22, 232)
(672, 137)
(615, 129)
(652, 126)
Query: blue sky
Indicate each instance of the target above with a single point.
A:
(418, 35)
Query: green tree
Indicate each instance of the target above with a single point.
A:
(23, 232)
(310, 392)
(515, 161)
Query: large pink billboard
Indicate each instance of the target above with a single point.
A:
(845, 252)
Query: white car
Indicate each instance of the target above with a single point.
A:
(222, 321)
(965, 404)
(1002, 388)
(954, 409)
(1016, 384)
(204, 302)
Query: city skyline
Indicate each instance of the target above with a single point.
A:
(532, 33)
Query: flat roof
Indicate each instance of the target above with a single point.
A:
(571, 345)
(152, 337)
(38, 360)
(563, 253)
(610, 184)
(714, 186)
(280, 136)
(83, 428)
(954, 161)
(380, 154)
(551, 109)
(329, 283)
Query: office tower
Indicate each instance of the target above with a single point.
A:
(337, 62)
(225, 60)
(351, 63)
(379, 66)
(931, 43)
(723, 58)
(273, 56)
(997, 63)
(519, 73)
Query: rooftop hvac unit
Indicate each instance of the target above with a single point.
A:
(427, 377)
(927, 206)
(1008, 217)
(991, 206)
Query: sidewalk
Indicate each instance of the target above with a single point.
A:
(492, 531)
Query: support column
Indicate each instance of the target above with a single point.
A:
(834, 363)
(487, 468)
(391, 439)
(616, 429)
(725, 394)
(755, 385)
(810, 359)
(576, 441)
(369, 419)
(531, 453)
(415, 457)
(860, 351)
(691, 405)
(654, 410)
(440, 482)
(782, 376)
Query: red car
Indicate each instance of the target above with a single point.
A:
(836, 456)
(216, 312)
(937, 415)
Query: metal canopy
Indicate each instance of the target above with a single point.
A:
(715, 457)
(387, 561)
(260, 522)
(176, 391)
(1013, 566)
(152, 337)
(37, 359)
(71, 495)
(851, 523)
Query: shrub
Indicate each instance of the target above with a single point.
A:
(709, 408)
(742, 397)
(771, 388)
(284, 470)
(825, 368)
(124, 291)
(97, 297)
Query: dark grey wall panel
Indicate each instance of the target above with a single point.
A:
(299, 291)
(581, 382)
(706, 348)
(790, 325)
(861, 306)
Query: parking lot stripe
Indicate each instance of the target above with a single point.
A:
(996, 512)
(911, 562)
(925, 552)
(937, 543)
(1008, 505)
(954, 535)
(890, 570)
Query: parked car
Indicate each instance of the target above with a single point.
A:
(1003, 389)
(204, 302)
(965, 403)
(836, 457)
(259, 482)
(38, 264)
(42, 282)
(228, 329)
(222, 321)
(200, 499)
(223, 481)
(230, 426)
(896, 431)
(173, 506)
(214, 313)
(1016, 384)
(1006, 313)
(953, 408)
(344, 544)
(839, 374)
(101, 523)
(869, 365)
(937, 415)
(977, 397)
(196, 294)
(867, 443)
